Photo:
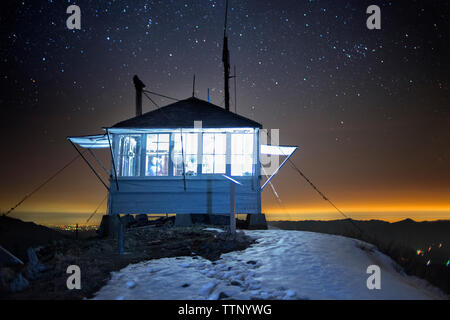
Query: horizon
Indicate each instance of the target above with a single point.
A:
(72, 218)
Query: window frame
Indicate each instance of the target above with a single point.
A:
(119, 156)
(183, 152)
(214, 154)
(147, 153)
(228, 132)
(250, 152)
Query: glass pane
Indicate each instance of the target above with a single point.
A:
(190, 142)
(220, 143)
(164, 137)
(177, 143)
(177, 165)
(163, 147)
(151, 166)
(157, 165)
(129, 147)
(191, 165)
(208, 164)
(219, 164)
(236, 143)
(248, 144)
(208, 144)
(164, 165)
(152, 143)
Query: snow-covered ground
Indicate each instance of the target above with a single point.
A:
(281, 265)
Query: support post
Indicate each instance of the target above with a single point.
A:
(232, 207)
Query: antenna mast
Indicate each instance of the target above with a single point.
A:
(226, 60)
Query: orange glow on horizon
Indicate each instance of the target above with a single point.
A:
(390, 213)
(50, 213)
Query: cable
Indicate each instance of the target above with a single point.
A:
(323, 196)
(42, 185)
(160, 95)
(95, 211)
(318, 191)
(157, 106)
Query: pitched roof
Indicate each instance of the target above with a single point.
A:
(182, 114)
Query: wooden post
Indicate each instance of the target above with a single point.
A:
(232, 207)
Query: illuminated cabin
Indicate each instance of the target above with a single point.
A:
(149, 176)
(148, 153)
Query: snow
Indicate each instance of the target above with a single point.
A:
(281, 265)
(214, 229)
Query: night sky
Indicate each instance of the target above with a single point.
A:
(369, 109)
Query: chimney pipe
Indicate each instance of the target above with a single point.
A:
(139, 85)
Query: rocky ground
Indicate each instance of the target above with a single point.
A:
(43, 276)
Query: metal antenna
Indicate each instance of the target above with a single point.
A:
(235, 91)
(226, 60)
(193, 88)
(226, 19)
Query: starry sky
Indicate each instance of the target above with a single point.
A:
(369, 109)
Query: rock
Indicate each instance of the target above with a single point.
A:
(127, 220)
(7, 275)
(19, 283)
(34, 267)
(12, 282)
(219, 219)
(109, 226)
(183, 220)
(163, 221)
(257, 221)
(141, 219)
(200, 218)
(241, 224)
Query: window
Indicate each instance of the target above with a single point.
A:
(189, 151)
(157, 155)
(241, 154)
(214, 153)
(129, 151)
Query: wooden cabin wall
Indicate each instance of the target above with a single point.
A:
(208, 196)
